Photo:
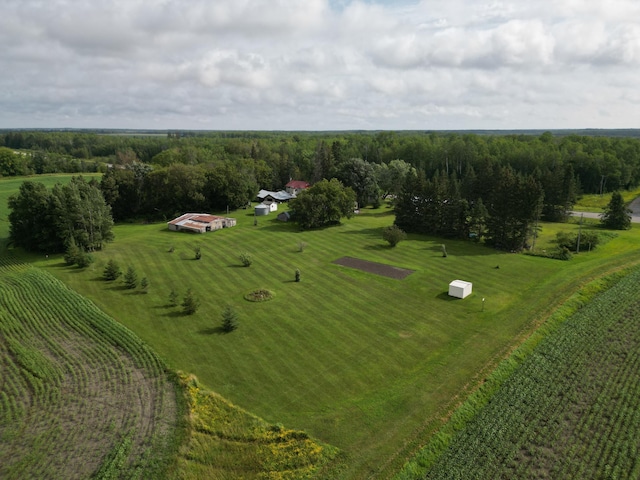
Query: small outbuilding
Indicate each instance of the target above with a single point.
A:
(284, 216)
(261, 209)
(460, 289)
(200, 223)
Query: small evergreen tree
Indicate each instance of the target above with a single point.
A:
(229, 319)
(297, 274)
(131, 278)
(173, 298)
(72, 253)
(144, 284)
(393, 234)
(111, 271)
(198, 253)
(616, 214)
(190, 303)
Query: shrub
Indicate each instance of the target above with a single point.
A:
(198, 253)
(111, 271)
(563, 254)
(588, 240)
(393, 234)
(246, 260)
(144, 284)
(84, 259)
(297, 274)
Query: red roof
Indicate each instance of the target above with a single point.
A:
(194, 217)
(298, 184)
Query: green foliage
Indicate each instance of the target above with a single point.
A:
(360, 176)
(616, 214)
(229, 319)
(190, 303)
(322, 204)
(46, 221)
(297, 275)
(392, 177)
(245, 259)
(393, 235)
(198, 253)
(111, 271)
(588, 240)
(72, 254)
(114, 465)
(144, 284)
(173, 298)
(131, 278)
(13, 164)
(84, 259)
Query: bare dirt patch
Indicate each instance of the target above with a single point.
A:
(373, 267)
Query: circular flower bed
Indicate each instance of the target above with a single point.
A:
(261, 295)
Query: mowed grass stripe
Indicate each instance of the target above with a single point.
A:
(420, 347)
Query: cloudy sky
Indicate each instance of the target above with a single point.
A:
(320, 64)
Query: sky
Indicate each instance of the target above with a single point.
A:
(320, 64)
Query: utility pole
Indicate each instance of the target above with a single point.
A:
(579, 233)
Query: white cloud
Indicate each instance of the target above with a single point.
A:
(319, 64)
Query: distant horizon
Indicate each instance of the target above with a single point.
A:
(171, 130)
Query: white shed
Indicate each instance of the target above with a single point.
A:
(460, 288)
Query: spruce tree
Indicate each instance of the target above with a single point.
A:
(616, 214)
(131, 278)
(190, 303)
(229, 319)
(111, 271)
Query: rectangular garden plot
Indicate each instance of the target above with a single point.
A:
(374, 267)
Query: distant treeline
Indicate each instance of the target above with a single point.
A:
(455, 184)
(601, 164)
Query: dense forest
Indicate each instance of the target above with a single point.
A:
(449, 184)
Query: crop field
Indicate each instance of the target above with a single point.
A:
(79, 394)
(570, 410)
(370, 365)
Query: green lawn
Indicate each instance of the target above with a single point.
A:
(368, 364)
(597, 203)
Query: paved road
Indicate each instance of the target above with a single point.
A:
(633, 206)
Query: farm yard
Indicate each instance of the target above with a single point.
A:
(346, 373)
(368, 364)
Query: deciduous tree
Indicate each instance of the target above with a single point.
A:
(322, 204)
